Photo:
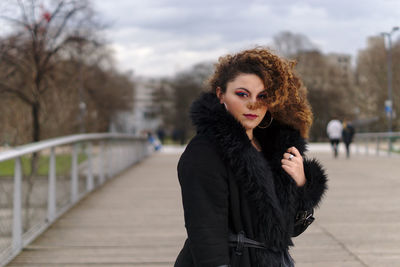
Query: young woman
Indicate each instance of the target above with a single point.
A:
(247, 187)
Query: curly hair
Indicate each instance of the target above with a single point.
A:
(286, 95)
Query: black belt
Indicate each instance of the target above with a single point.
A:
(240, 241)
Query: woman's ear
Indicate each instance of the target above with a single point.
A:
(220, 94)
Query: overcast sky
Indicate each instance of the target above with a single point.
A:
(160, 37)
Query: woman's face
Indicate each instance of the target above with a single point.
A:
(244, 99)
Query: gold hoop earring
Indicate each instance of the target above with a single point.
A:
(266, 126)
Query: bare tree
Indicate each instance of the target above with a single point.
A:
(372, 82)
(41, 35)
(164, 101)
(290, 44)
(330, 90)
(178, 93)
(330, 84)
(107, 93)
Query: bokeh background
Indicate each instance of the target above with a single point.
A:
(135, 66)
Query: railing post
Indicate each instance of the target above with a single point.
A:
(356, 143)
(110, 157)
(17, 207)
(120, 157)
(124, 156)
(107, 171)
(51, 204)
(366, 146)
(138, 151)
(74, 173)
(101, 164)
(89, 177)
(377, 145)
(133, 154)
(390, 145)
(128, 156)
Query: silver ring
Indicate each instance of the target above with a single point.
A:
(291, 156)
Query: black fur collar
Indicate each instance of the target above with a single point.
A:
(252, 171)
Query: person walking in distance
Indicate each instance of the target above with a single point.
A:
(347, 136)
(334, 131)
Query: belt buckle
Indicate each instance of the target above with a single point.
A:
(240, 243)
(306, 217)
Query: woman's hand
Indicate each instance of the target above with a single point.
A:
(292, 163)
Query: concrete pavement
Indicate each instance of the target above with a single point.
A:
(136, 219)
(358, 223)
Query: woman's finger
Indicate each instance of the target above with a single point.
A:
(293, 150)
(288, 169)
(287, 156)
(288, 163)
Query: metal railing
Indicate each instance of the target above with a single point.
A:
(41, 181)
(387, 143)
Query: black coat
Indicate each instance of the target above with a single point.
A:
(228, 186)
(347, 134)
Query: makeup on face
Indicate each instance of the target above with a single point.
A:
(251, 116)
(245, 100)
(243, 92)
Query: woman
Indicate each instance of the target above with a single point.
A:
(246, 186)
(347, 136)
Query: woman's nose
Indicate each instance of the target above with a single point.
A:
(254, 105)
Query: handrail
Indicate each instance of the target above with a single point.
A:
(49, 143)
(378, 138)
(377, 134)
(114, 152)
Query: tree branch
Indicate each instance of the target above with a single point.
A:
(16, 64)
(16, 22)
(65, 20)
(4, 88)
(22, 7)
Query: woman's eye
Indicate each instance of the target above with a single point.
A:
(241, 94)
(262, 96)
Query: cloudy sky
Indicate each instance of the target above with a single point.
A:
(160, 37)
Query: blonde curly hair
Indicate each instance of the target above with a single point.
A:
(287, 97)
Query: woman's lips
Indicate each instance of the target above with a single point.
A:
(250, 116)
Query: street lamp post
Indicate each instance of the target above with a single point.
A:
(389, 102)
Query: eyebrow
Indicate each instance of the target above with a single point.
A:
(263, 91)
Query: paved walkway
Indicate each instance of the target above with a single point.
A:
(358, 223)
(136, 219)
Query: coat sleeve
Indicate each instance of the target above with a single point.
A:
(312, 192)
(203, 179)
(309, 195)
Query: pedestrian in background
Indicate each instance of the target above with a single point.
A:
(334, 131)
(161, 134)
(154, 141)
(347, 136)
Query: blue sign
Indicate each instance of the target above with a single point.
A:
(388, 108)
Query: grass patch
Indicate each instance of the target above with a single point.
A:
(63, 164)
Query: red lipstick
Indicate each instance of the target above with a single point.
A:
(251, 116)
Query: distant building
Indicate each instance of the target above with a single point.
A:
(376, 41)
(343, 61)
(144, 115)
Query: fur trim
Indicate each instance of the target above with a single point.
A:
(311, 193)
